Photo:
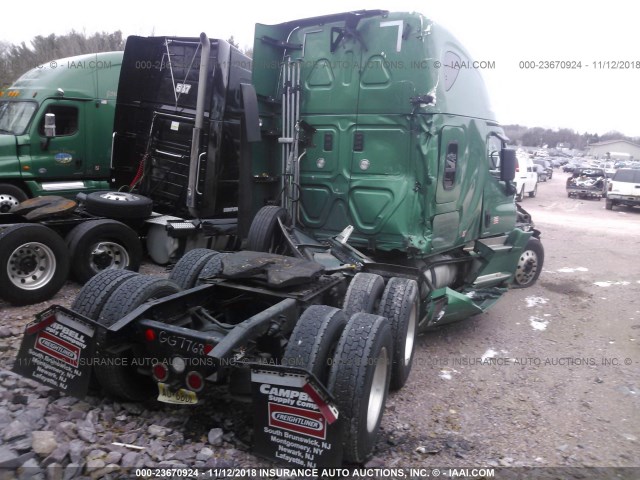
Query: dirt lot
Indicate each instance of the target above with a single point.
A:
(549, 377)
(560, 380)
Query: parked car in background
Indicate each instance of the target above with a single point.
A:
(624, 188)
(587, 182)
(609, 168)
(526, 179)
(542, 173)
(569, 167)
(546, 166)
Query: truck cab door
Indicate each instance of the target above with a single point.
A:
(63, 156)
(458, 198)
(498, 207)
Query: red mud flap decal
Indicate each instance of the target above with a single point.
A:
(295, 419)
(57, 351)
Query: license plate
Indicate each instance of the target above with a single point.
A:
(179, 397)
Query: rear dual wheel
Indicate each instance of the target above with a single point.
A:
(105, 244)
(359, 382)
(119, 376)
(353, 359)
(186, 272)
(34, 263)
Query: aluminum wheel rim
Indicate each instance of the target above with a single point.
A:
(378, 387)
(116, 256)
(119, 196)
(7, 202)
(408, 343)
(527, 267)
(31, 266)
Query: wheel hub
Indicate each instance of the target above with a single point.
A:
(31, 266)
(7, 202)
(27, 263)
(527, 267)
(119, 196)
(109, 255)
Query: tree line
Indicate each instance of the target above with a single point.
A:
(563, 137)
(16, 59)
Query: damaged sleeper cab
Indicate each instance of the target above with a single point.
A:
(382, 199)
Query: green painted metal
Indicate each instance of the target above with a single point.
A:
(391, 95)
(86, 85)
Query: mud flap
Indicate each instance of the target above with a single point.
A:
(295, 420)
(57, 350)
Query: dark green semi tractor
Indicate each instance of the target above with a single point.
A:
(71, 153)
(397, 139)
(168, 149)
(382, 201)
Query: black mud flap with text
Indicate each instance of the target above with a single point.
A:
(57, 350)
(295, 420)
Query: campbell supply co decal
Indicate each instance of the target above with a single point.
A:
(58, 348)
(289, 426)
(297, 420)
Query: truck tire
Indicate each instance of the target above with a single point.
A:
(399, 305)
(34, 263)
(314, 339)
(10, 196)
(609, 205)
(118, 205)
(264, 233)
(104, 244)
(529, 264)
(121, 379)
(185, 273)
(359, 382)
(212, 268)
(97, 291)
(363, 294)
(92, 298)
(520, 196)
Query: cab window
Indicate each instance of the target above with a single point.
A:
(66, 120)
(450, 166)
(494, 145)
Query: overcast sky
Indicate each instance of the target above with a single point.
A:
(590, 99)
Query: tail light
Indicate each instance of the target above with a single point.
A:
(149, 335)
(160, 372)
(195, 382)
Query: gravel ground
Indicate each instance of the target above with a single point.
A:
(477, 396)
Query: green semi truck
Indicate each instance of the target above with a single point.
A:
(382, 203)
(55, 128)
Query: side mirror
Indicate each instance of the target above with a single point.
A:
(50, 125)
(49, 130)
(507, 164)
(508, 169)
